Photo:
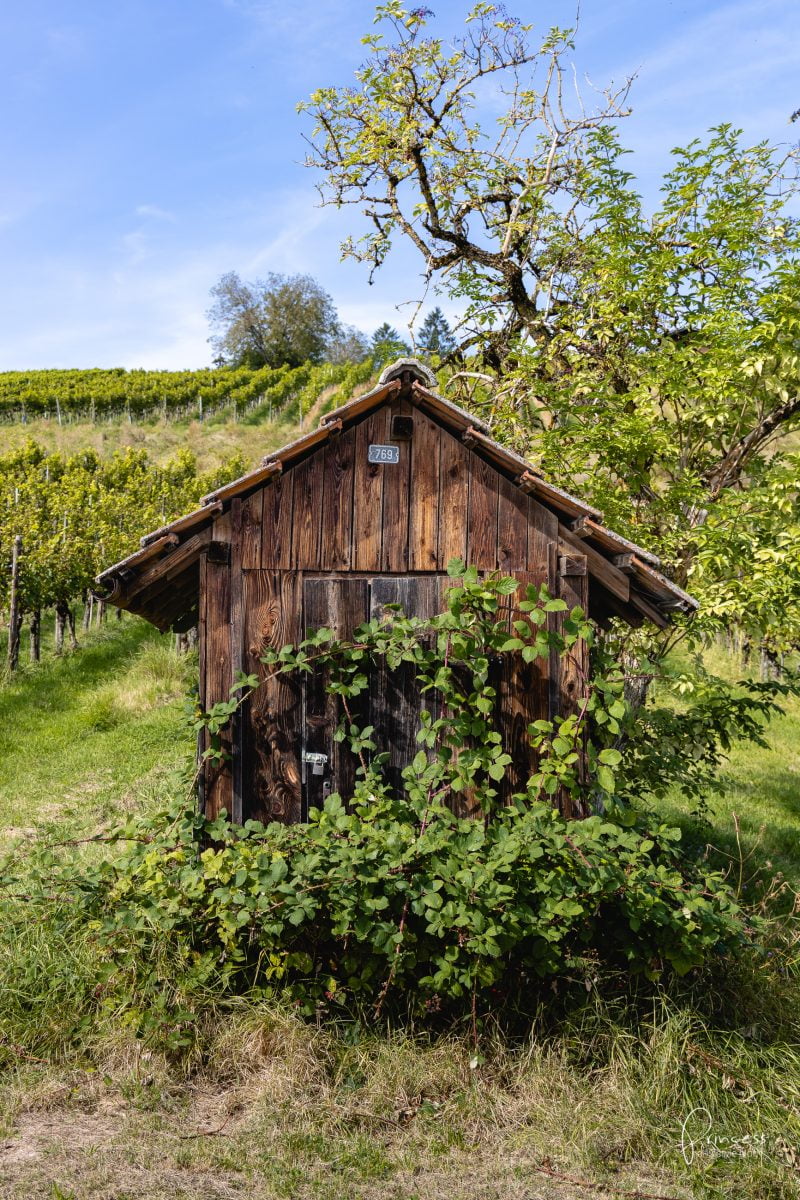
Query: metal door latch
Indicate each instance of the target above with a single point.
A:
(317, 761)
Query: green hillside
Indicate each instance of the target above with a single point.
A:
(211, 413)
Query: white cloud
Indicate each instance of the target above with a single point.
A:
(155, 213)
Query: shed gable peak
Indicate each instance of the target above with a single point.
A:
(408, 369)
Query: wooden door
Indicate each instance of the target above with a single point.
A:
(340, 604)
(393, 702)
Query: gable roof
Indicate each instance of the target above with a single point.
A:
(161, 580)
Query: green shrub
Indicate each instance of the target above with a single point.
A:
(374, 907)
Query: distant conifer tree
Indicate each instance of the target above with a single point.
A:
(435, 336)
(387, 345)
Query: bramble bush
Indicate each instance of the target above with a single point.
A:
(387, 900)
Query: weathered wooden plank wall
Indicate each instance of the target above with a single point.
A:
(338, 512)
(379, 533)
(216, 653)
(272, 717)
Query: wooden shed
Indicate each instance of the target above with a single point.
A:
(364, 511)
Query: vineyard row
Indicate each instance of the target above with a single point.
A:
(64, 518)
(114, 395)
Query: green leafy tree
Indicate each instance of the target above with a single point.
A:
(277, 321)
(350, 345)
(647, 358)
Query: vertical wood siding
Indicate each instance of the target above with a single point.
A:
(336, 511)
(272, 717)
(294, 546)
(216, 654)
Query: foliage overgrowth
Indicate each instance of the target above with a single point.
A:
(388, 898)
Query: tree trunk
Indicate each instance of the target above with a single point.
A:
(14, 613)
(87, 610)
(636, 681)
(70, 616)
(101, 612)
(35, 632)
(770, 664)
(60, 623)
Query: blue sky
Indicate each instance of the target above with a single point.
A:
(147, 146)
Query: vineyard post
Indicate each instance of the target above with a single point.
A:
(14, 620)
(58, 410)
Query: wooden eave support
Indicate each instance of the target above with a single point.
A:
(610, 606)
(173, 606)
(649, 610)
(599, 567)
(135, 560)
(666, 591)
(173, 595)
(585, 527)
(168, 568)
(572, 564)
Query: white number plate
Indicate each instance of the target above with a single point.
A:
(384, 454)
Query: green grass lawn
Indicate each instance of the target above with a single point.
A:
(93, 733)
(760, 793)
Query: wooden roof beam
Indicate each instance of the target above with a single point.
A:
(167, 568)
(181, 524)
(243, 484)
(600, 568)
